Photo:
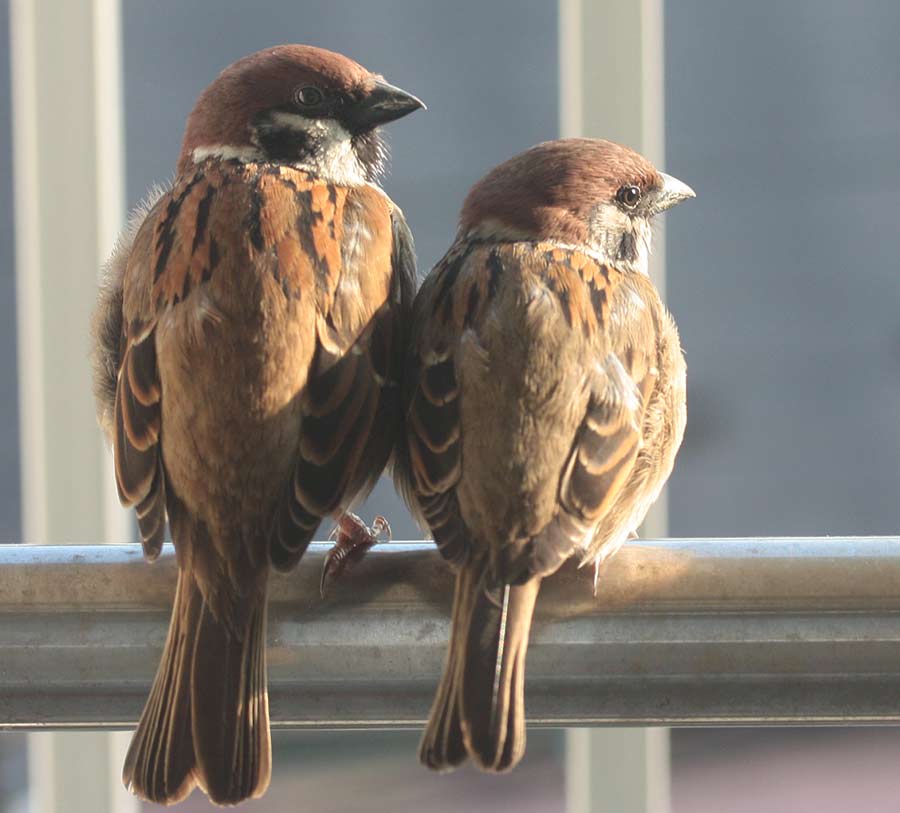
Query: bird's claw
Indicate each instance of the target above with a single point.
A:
(352, 539)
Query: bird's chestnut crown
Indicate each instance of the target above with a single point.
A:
(297, 105)
(576, 191)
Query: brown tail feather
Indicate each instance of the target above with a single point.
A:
(230, 716)
(442, 746)
(480, 705)
(206, 721)
(159, 766)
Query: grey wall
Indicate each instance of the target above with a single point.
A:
(784, 274)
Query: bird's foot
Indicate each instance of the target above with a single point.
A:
(352, 540)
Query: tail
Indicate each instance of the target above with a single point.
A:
(206, 721)
(479, 709)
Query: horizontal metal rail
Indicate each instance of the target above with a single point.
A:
(730, 631)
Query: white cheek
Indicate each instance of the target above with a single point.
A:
(643, 238)
(338, 163)
(607, 224)
(335, 160)
(227, 153)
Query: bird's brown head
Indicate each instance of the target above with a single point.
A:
(577, 191)
(298, 105)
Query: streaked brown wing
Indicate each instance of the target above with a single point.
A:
(350, 406)
(432, 448)
(173, 254)
(139, 473)
(607, 441)
(140, 478)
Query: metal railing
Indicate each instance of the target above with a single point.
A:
(729, 631)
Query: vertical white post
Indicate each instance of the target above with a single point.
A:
(615, 770)
(69, 200)
(611, 86)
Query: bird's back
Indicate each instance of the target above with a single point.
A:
(540, 333)
(252, 275)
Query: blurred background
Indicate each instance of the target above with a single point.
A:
(782, 275)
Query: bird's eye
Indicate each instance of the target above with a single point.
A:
(309, 96)
(629, 196)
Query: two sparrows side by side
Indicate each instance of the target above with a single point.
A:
(261, 356)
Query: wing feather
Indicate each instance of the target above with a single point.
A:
(350, 406)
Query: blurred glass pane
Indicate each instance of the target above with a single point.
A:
(10, 519)
(13, 773)
(783, 278)
(783, 273)
(377, 771)
(808, 770)
(13, 751)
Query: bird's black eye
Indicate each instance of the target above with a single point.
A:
(629, 196)
(309, 96)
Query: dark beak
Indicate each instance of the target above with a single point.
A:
(381, 104)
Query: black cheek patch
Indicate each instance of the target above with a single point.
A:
(371, 152)
(628, 246)
(282, 143)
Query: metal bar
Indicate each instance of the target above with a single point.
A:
(735, 631)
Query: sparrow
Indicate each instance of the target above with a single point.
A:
(544, 399)
(249, 343)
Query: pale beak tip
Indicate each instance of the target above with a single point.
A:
(672, 192)
(675, 188)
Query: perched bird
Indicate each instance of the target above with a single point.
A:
(545, 401)
(248, 350)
